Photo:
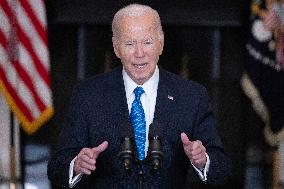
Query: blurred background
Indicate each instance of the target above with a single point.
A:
(234, 48)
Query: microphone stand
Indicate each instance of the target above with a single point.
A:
(140, 176)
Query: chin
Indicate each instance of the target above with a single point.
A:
(140, 80)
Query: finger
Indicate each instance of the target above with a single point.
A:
(88, 166)
(86, 155)
(88, 160)
(86, 152)
(80, 166)
(197, 157)
(199, 160)
(195, 152)
(185, 140)
(198, 150)
(197, 144)
(99, 149)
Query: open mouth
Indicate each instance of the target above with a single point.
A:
(140, 66)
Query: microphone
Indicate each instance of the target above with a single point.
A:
(126, 153)
(156, 154)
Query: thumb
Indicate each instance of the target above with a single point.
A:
(100, 148)
(185, 140)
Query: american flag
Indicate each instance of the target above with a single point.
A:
(24, 62)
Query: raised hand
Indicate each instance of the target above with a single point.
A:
(195, 151)
(86, 160)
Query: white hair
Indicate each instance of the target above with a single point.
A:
(136, 10)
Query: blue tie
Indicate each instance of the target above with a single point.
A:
(137, 117)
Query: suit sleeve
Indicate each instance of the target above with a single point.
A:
(72, 138)
(205, 130)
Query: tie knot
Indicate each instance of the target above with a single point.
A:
(138, 91)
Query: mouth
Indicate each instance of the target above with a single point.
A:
(140, 66)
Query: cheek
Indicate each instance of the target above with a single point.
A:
(154, 56)
(155, 52)
(126, 56)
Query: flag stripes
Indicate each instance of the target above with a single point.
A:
(24, 62)
(36, 23)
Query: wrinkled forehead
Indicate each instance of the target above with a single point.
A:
(137, 25)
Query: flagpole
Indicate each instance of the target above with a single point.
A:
(276, 171)
(12, 53)
(12, 155)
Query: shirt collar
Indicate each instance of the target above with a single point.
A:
(149, 86)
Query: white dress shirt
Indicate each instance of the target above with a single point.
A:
(148, 100)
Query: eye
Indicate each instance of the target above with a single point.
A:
(148, 42)
(129, 44)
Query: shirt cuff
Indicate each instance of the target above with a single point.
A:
(203, 173)
(77, 178)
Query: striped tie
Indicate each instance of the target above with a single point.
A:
(137, 117)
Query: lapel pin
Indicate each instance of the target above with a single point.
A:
(170, 97)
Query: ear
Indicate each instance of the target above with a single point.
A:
(115, 47)
(161, 46)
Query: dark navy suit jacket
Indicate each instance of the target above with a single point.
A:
(99, 108)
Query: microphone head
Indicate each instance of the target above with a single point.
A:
(126, 153)
(155, 147)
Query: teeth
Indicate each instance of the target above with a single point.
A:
(140, 65)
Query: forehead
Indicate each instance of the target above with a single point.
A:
(137, 26)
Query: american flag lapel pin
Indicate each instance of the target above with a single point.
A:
(170, 97)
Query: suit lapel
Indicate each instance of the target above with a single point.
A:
(119, 97)
(165, 102)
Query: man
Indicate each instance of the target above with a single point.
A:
(87, 154)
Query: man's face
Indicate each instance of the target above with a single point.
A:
(138, 46)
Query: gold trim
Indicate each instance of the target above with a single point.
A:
(29, 127)
(259, 106)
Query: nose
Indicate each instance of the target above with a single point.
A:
(139, 51)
